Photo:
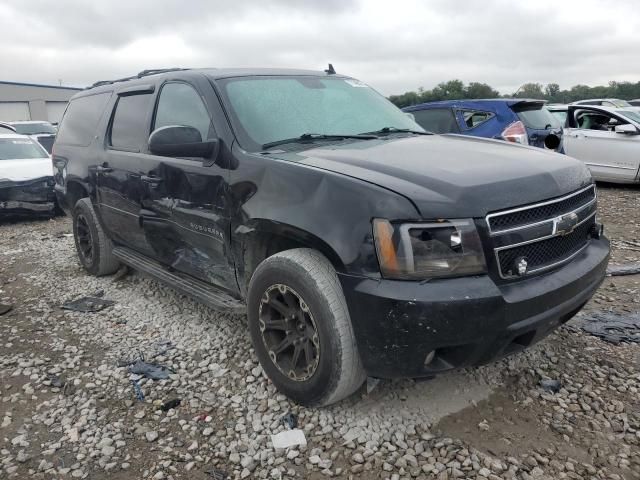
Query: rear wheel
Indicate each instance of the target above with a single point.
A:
(92, 244)
(301, 330)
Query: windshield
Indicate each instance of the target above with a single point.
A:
(33, 128)
(20, 148)
(561, 115)
(630, 114)
(269, 109)
(537, 117)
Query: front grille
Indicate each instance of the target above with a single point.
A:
(545, 253)
(541, 212)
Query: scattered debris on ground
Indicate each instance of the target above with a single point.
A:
(88, 304)
(610, 326)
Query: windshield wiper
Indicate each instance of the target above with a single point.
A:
(317, 136)
(388, 130)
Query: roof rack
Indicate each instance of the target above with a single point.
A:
(143, 73)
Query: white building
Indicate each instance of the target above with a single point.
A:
(28, 101)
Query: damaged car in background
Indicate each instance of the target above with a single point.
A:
(26, 177)
(356, 243)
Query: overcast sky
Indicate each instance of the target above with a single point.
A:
(393, 46)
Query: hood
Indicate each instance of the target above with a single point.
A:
(452, 176)
(25, 169)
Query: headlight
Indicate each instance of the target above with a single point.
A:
(414, 251)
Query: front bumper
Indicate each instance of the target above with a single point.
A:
(416, 329)
(27, 197)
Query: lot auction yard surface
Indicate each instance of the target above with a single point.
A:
(492, 422)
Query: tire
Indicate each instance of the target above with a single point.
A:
(92, 244)
(305, 278)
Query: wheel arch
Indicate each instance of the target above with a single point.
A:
(262, 238)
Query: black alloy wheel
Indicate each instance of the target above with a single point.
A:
(289, 332)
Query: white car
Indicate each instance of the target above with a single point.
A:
(607, 139)
(26, 177)
(605, 102)
(41, 131)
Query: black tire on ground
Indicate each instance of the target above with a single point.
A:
(92, 244)
(305, 278)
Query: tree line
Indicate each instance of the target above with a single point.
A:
(456, 89)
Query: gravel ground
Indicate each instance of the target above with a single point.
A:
(68, 410)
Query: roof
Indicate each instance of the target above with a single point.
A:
(448, 103)
(21, 84)
(26, 122)
(213, 73)
(13, 135)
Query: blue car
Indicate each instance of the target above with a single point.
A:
(512, 119)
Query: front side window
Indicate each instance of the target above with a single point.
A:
(180, 104)
(129, 126)
(437, 120)
(268, 109)
(473, 118)
(20, 149)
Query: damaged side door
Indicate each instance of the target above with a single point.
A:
(195, 237)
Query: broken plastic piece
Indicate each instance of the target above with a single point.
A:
(150, 370)
(550, 385)
(609, 326)
(627, 269)
(168, 405)
(217, 474)
(138, 391)
(289, 420)
(289, 438)
(56, 381)
(372, 383)
(88, 304)
(5, 308)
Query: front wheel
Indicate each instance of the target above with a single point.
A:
(301, 330)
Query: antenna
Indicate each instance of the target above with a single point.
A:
(330, 70)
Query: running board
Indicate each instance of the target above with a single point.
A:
(201, 291)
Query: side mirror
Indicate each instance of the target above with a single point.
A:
(181, 141)
(627, 128)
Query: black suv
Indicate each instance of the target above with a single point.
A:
(357, 243)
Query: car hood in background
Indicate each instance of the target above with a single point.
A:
(450, 175)
(25, 169)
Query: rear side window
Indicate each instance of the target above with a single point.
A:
(438, 120)
(473, 118)
(81, 119)
(129, 126)
(537, 117)
(180, 104)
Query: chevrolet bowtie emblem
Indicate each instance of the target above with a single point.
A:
(565, 224)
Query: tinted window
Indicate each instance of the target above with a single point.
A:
(79, 123)
(180, 104)
(439, 120)
(20, 148)
(561, 115)
(129, 129)
(537, 116)
(267, 109)
(473, 118)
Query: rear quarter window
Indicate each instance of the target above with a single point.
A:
(537, 117)
(437, 120)
(80, 120)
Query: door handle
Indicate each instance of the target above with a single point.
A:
(103, 169)
(150, 179)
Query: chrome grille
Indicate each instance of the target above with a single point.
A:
(540, 212)
(538, 233)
